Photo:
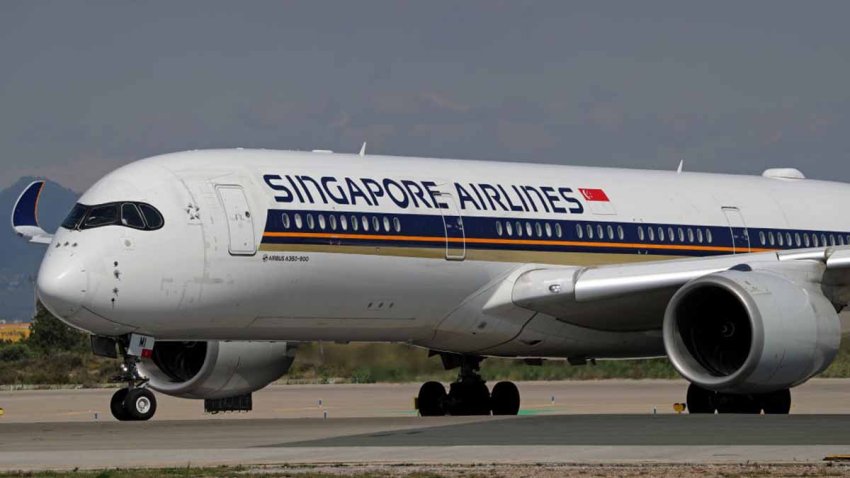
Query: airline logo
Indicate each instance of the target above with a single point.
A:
(406, 193)
(594, 195)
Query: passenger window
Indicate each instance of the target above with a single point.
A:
(589, 231)
(332, 221)
(298, 222)
(660, 234)
(518, 229)
(343, 222)
(365, 222)
(651, 234)
(788, 239)
(780, 240)
(699, 235)
(823, 240)
(640, 233)
(610, 230)
(681, 235)
(376, 225)
(131, 217)
(508, 228)
(670, 235)
(762, 238)
(771, 238)
(152, 217)
(548, 230)
(690, 235)
(806, 240)
(579, 231)
(355, 224)
(311, 224)
(284, 219)
(101, 216)
(708, 236)
(499, 230)
(558, 230)
(599, 233)
(797, 239)
(621, 233)
(528, 229)
(396, 224)
(322, 222)
(386, 224)
(538, 229)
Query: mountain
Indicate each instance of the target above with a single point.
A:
(20, 260)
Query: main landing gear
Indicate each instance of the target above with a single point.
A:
(468, 395)
(700, 400)
(135, 402)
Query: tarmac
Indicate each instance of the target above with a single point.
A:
(616, 421)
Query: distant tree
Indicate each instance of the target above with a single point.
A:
(49, 335)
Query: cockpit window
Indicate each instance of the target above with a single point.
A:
(152, 217)
(131, 217)
(101, 216)
(75, 216)
(129, 214)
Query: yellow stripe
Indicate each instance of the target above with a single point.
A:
(520, 242)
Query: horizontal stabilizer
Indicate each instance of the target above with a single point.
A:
(25, 215)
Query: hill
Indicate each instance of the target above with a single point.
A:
(20, 260)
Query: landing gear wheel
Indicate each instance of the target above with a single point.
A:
(469, 397)
(504, 399)
(778, 402)
(140, 404)
(432, 399)
(733, 403)
(116, 405)
(700, 400)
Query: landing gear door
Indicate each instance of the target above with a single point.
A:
(240, 224)
(453, 227)
(738, 229)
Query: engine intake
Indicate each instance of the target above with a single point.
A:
(749, 332)
(215, 369)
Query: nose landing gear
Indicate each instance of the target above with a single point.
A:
(135, 402)
(468, 395)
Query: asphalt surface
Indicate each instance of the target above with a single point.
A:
(386, 431)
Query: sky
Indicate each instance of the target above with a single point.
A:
(726, 86)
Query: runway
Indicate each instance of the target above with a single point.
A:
(553, 436)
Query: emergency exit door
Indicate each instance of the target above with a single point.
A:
(738, 229)
(453, 228)
(240, 224)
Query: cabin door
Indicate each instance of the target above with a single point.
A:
(240, 224)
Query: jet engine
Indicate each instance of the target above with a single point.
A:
(747, 332)
(215, 369)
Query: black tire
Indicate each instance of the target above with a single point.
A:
(116, 405)
(432, 399)
(776, 403)
(700, 400)
(734, 403)
(469, 398)
(140, 404)
(504, 400)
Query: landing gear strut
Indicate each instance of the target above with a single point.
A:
(468, 395)
(701, 400)
(135, 402)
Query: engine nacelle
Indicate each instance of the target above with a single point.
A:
(215, 369)
(749, 332)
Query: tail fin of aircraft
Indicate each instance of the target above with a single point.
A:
(25, 215)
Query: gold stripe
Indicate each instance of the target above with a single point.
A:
(520, 242)
(558, 258)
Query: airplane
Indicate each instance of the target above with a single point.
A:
(204, 270)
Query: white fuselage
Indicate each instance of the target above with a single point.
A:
(261, 245)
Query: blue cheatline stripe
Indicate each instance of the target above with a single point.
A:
(423, 230)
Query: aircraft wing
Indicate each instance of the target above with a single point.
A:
(560, 291)
(25, 215)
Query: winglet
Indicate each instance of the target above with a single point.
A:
(363, 149)
(25, 215)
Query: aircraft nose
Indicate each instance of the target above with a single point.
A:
(62, 286)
